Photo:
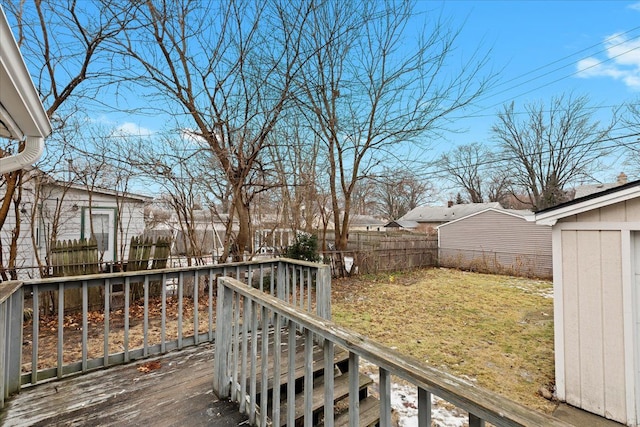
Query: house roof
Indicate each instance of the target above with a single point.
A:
(365, 220)
(402, 224)
(446, 214)
(104, 191)
(524, 214)
(589, 202)
(22, 115)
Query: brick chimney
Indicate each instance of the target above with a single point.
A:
(450, 203)
(622, 178)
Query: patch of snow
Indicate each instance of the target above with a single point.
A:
(404, 402)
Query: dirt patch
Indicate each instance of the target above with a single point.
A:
(496, 331)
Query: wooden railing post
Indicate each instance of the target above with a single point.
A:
(11, 322)
(221, 380)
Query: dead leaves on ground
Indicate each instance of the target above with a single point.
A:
(154, 365)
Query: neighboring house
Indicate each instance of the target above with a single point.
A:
(585, 190)
(596, 276)
(429, 217)
(398, 224)
(54, 210)
(365, 223)
(22, 117)
(496, 241)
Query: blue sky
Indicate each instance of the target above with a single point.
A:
(541, 49)
(547, 48)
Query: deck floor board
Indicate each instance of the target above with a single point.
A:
(178, 393)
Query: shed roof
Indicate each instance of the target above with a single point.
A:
(589, 202)
(446, 214)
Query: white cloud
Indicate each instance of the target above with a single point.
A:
(129, 128)
(635, 6)
(622, 61)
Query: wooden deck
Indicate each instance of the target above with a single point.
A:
(175, 392)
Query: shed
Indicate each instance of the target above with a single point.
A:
(496, 241)
(596, 276)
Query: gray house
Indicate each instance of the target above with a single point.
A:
(429, 217)
(497, 241)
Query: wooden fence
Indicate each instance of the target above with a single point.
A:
(74, 257)
(80, 257)
(378, 252)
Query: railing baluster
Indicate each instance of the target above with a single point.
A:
(424, 408)
(277, 350)
(475, 421)
(196, 291)
(35, 323)
(309, 288)
(354, 390)
(235, 347)
(291, 377)
(211, 285)
(302, 296)
(246, 316)
(107, 300)
(127, 292)
(261, 278)
(308, 378)
(85, 323)
(328, 383)
(5, 330)
(254, 362)
(265, 367)
(180, 295)
(272, 281)
(145, 349)
(60, 330)
(385, 397)
(163, 320)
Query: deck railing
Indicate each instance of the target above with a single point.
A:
(251, 314)
(103, 333)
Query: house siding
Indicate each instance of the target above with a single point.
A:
(499, 241)
(131, 212)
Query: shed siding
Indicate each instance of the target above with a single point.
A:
(498, 239)
(570, 302)
(613, 326)
(593, 313)
(590, 315)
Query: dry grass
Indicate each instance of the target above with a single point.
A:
(494, 330)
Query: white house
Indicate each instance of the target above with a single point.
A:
(596, 277)
(55, 210)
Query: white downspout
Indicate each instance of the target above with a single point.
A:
(33, 148)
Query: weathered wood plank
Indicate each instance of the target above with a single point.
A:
(178, 393)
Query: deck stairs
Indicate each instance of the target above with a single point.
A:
(369, 404)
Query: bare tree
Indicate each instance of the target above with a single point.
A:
(399, 192)
(69, 68)
(365, 91)
(551, 146)
(224, 71)
(477, 170)
(632, 123)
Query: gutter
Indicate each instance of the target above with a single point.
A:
(22, 116)
(33, 148)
